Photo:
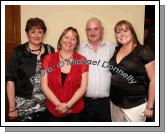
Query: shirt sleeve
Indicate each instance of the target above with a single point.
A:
(85, 65)
(46, 62)
(12, 71)
(147, 55)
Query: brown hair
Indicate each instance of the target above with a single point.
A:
(130, 27)
(35, 22)
(64, 33)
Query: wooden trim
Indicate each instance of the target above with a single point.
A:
(12, 28)
(17, 25)
(12, 38)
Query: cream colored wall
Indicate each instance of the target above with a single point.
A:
(57, 18)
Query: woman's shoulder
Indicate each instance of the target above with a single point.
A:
(52, 55)
(51, 58)
(20, 49)
(21, 46)
(145, 53)
(49, 47)
(143, 49)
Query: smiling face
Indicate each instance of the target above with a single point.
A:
(35, 35)
(123, 34)
(69, 41)
(94, 31)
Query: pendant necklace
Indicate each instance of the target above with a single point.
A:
(68, 59)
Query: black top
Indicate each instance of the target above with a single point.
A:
(128, 81)
(21, 69)
(63, 77)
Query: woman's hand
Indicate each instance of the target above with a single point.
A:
(13, 114)
(148, 112)
(63, 108)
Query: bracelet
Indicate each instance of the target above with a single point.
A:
(12, 110)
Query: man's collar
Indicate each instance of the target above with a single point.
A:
(87, 44)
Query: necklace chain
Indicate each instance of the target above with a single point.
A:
(31, 50)
(39, 49)
(64, 58)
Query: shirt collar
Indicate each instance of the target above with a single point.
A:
(88, 45)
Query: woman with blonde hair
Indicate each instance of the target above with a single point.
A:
(64, 83)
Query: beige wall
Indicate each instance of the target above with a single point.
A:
(57, 18)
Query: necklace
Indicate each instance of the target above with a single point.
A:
(32, 50)
(64, 58)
